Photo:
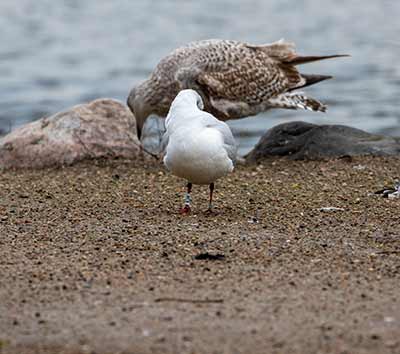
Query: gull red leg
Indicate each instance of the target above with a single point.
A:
(188, 199)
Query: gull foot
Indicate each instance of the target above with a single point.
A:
(211, 211)
(185, 210)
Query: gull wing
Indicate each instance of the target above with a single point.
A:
(230, 144)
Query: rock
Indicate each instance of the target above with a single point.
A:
(103, 128)
(305, 141)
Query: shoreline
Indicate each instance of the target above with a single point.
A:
(95, 258)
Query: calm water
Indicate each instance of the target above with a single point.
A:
(55, 54)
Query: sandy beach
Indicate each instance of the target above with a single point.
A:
(95, 258)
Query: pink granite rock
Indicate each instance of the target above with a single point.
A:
(103, 128)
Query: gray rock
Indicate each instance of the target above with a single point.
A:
(103, 128)
(305, 141)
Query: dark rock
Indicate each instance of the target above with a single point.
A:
(103, 128)
(305, 141)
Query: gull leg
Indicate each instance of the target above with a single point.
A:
(188, 199)
(210, 205)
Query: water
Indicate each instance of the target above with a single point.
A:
(56, 54)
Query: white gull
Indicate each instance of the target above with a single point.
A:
(200, 148)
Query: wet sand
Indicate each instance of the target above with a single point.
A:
(96, 259)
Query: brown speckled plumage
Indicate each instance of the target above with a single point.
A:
(235, 79)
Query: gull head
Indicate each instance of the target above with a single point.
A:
(188, 98)
(140, 108)
(184, 104)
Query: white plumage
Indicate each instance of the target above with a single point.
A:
(200, 148)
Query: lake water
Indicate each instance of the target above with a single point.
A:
(55, 54)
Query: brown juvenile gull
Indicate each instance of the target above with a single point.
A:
(234, 79)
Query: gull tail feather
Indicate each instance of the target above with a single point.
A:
(298, 59)
(284, 52)
(311, 80)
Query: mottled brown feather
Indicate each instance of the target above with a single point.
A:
(235, 79)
